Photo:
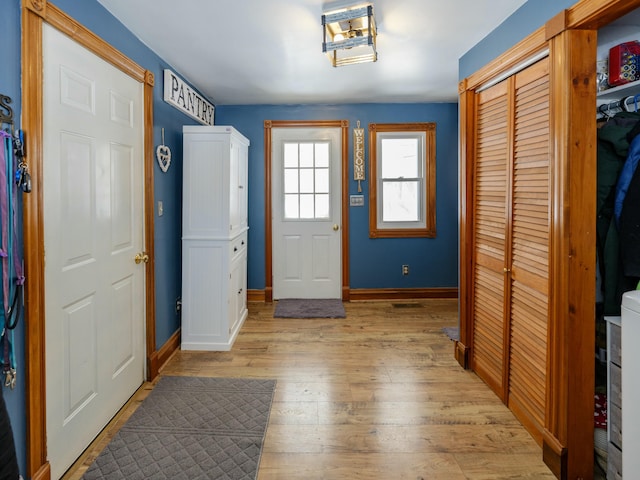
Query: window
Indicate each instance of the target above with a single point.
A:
(402, 187)
(306, 180)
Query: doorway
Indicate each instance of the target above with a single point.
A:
(306, 212)
(93, 187)
(292, 237)
(34, 20)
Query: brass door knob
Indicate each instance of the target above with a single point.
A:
(336, 227)
(141, 257)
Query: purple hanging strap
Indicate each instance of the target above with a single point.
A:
(4, 212)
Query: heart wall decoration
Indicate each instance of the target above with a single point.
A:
(163, 155)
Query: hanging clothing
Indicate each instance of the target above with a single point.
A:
(612, 152)
(629, 229)
(8, 459)
(626, 174)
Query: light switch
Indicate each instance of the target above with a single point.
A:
(160, 208)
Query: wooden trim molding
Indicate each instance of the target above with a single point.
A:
(461, 354)
(429, 175)
(467, 108)
(401, 293)
(164, 353)
(556, 25)
(363, 294)
(37, 464)
(256, 296)
(554, 455)
(268, 162)
(527, 48)
(39, 7)
(593, 14)
(268, 232)
(571, 332)
(34, 15)
(149, 225)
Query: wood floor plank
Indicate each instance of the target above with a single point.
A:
(375, 395)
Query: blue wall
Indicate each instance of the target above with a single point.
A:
(10, 85)
(524, 21)
(374, 263)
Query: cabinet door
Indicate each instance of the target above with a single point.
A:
(238, 292)
(491, 195)
(204, 204)
(238, 186)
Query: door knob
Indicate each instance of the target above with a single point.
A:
(335, 227)
(141, 257)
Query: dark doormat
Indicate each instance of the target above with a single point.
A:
(309, 308)
(191, 428)
(452, 332)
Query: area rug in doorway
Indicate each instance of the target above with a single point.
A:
(191, 428)
(309, 308)
(452, 332)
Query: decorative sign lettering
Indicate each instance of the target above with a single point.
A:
(358, 155)
(184, 98)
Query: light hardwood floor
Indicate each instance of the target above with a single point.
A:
(376, 395)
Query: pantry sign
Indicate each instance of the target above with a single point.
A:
(179, 94)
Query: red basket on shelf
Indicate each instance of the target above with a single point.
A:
(624, 63)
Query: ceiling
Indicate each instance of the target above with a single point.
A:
(250, 52)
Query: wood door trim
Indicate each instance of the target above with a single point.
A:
(268, 230)
(35, 13)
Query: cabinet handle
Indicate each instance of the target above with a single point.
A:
(242, 243)
(506, 270)
(235, 249)
(241, 186)
(239, 291)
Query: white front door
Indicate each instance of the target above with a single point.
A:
(93, 224)
(306, 189)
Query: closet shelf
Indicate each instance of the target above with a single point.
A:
(616, 93)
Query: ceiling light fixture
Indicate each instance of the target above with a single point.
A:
(349, 35)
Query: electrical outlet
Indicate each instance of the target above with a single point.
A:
(405, 269)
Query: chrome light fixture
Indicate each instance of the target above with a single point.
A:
(349, 35)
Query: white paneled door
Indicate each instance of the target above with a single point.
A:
(306, 205)
(93, 229)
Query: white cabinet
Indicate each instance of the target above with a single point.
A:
(630, 383)
(214, 237)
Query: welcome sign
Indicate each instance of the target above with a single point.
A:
(179, 94)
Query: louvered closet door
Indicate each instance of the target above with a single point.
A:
(490, 224)
(530, 247)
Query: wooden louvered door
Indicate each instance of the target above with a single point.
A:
(529, 269)
(511, 242)
(490, 236)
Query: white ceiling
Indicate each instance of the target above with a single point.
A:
(248, 52)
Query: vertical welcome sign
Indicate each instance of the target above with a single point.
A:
(358, 155)
(179, 94)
